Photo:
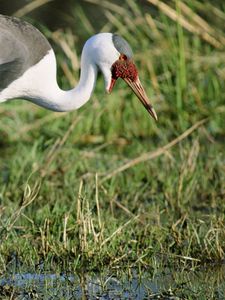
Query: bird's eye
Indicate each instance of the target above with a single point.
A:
(123, 57)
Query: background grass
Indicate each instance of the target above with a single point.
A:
(60, 199)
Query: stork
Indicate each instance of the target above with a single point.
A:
(28, 67)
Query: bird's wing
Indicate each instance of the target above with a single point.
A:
(21, 46)
(12, 58)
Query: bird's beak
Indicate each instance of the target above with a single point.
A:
(139, 91)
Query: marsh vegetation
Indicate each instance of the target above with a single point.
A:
(106, 187)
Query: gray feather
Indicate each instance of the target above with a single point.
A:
(21, 47)
(122, 45)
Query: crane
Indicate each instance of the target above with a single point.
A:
(28, 67)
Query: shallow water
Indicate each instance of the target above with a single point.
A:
(207, 283)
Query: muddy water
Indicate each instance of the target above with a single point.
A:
(206, 283)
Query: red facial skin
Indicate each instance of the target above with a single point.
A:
(123, 68)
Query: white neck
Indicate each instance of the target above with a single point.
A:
(39, 85)
(50, 96)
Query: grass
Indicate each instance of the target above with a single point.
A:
(107, 185)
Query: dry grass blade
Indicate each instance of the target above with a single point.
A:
(118, 230)
(152, 24)
(126, 210)
(182, 257)
(66, 41)
(199, 21)
(97, 203)
(28, 197)
(154, 154)
(118, 9)
(65, 239)
(196, 18)
(29, 7)
(216, 11)
(175, 16)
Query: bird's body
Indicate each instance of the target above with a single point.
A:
(28, 67)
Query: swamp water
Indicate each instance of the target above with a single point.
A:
(206, 283)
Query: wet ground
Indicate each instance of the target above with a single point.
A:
(205, 283)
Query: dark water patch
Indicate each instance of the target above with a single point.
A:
(164, 285)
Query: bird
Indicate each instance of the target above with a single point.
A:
(28, 68)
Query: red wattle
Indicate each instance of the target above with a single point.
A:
(124, 69)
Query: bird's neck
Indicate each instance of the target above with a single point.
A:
(48, 94)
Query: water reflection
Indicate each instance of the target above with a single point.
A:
(174, 285)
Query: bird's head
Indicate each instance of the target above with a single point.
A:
(113, 56)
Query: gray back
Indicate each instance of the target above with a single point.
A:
(21, 46)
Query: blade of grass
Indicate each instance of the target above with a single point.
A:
(30, 7)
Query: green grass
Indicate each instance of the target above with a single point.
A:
(59, 198)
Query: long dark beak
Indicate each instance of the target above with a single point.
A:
(139, 91)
